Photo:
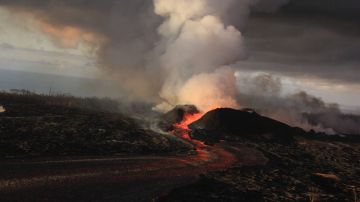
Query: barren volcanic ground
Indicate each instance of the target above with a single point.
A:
(35, 125)
(300, 166)
(71, 149)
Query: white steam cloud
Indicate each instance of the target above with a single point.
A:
(210, 90)
(195, 42)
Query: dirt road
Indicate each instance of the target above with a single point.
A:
(127, 178)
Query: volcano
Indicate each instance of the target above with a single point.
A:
(225, 122)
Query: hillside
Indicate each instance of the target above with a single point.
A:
(38, 125)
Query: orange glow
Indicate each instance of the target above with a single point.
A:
(69, 36)
(189, 119)
(220, 90)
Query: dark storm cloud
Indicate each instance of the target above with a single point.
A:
(266, 6)
(318, 38)
(322, 8)
(339, 9)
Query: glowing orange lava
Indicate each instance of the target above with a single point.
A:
(215, 156)
(183, 126)
(182, 129)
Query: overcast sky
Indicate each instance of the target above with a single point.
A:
(315, 42)
(312, 45)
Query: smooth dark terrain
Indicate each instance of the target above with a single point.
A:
(61, 148)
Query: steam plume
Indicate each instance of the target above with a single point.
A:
(194, 43)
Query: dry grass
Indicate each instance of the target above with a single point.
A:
(313, 194)
(354, 190)
(331, 177)
(2, 109)
(28, 97)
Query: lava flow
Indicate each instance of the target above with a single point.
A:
(215, 156)
(182, 128)
(182, 131)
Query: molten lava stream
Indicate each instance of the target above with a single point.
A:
(215, 156)
(182, 129)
